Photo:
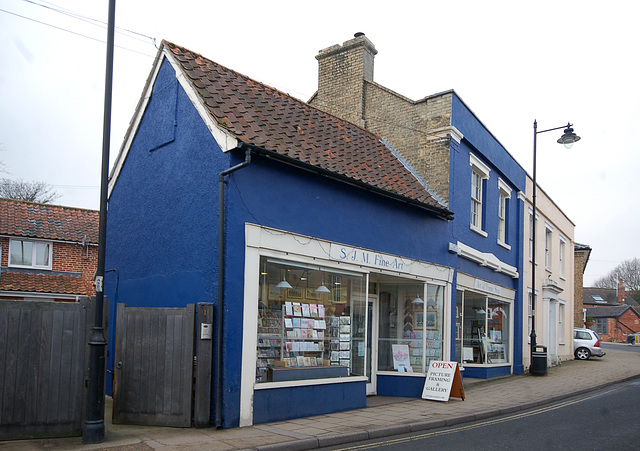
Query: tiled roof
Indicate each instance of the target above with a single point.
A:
(607, 311)
(52, 222)
(608, 295)
(262, 116)
(41, 283)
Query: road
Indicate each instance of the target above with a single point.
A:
(622, 347)
(608, 419)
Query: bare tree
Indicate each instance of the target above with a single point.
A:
(39, 192)
(628, 271)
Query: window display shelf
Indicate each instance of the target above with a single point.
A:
(277, 374)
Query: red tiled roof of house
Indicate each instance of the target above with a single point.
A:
(262, 116)
(51, 222)
(42, 283)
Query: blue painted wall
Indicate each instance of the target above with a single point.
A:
(403, 386)
(298, 402)
(479, 141)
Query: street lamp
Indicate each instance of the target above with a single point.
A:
(568, 138)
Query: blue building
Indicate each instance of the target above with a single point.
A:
(472, 174)
(336, 269)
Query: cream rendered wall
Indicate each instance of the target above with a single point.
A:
(551, 282)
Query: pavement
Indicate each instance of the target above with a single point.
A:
(383, 416)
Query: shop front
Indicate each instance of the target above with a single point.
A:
(484, 327)
(326, 324)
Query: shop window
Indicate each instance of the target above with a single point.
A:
(309, 318)
(484, 329)
(410, 330)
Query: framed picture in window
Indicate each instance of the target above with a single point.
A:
(311, 294)
(431, 320)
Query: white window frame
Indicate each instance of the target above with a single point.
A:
(33, 255)
(548, 245)
(504, 196)
(479, 173)
(561, 255)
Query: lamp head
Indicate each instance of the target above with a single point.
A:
(568, 138)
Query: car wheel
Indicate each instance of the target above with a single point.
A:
(583, 353)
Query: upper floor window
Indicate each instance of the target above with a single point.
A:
(548, 237)
(561, 255)
(503, 205)
(479, 173)
(476, 200)
(30, 254)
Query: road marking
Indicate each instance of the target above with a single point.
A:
(477, 425)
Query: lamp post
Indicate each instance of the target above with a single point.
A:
(568, 138)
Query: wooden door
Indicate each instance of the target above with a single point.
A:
(153, 378)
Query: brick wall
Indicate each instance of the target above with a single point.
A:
(580, 263)
(69, 257)
(416, 129)
(342, 70)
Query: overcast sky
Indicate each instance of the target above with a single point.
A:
(511, 62)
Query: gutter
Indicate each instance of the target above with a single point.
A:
(221, 241)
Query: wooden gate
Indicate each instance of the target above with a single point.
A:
(43, 365)
(154, 363)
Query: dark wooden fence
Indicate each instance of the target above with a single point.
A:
(43, 366)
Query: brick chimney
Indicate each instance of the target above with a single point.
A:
(621, 294)
(342, 71)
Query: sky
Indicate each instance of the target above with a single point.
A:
(510, 62)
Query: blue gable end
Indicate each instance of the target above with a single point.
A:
(163, 204)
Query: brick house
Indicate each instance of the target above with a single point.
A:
(615, 323)
(48, 252)
(615, 313)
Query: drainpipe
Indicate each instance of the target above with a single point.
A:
(221, 236)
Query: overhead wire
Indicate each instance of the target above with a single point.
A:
(88, 19)
(153, 41)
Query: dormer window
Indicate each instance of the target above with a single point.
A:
(30, 254)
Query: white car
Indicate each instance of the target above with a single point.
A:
(586, 343)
